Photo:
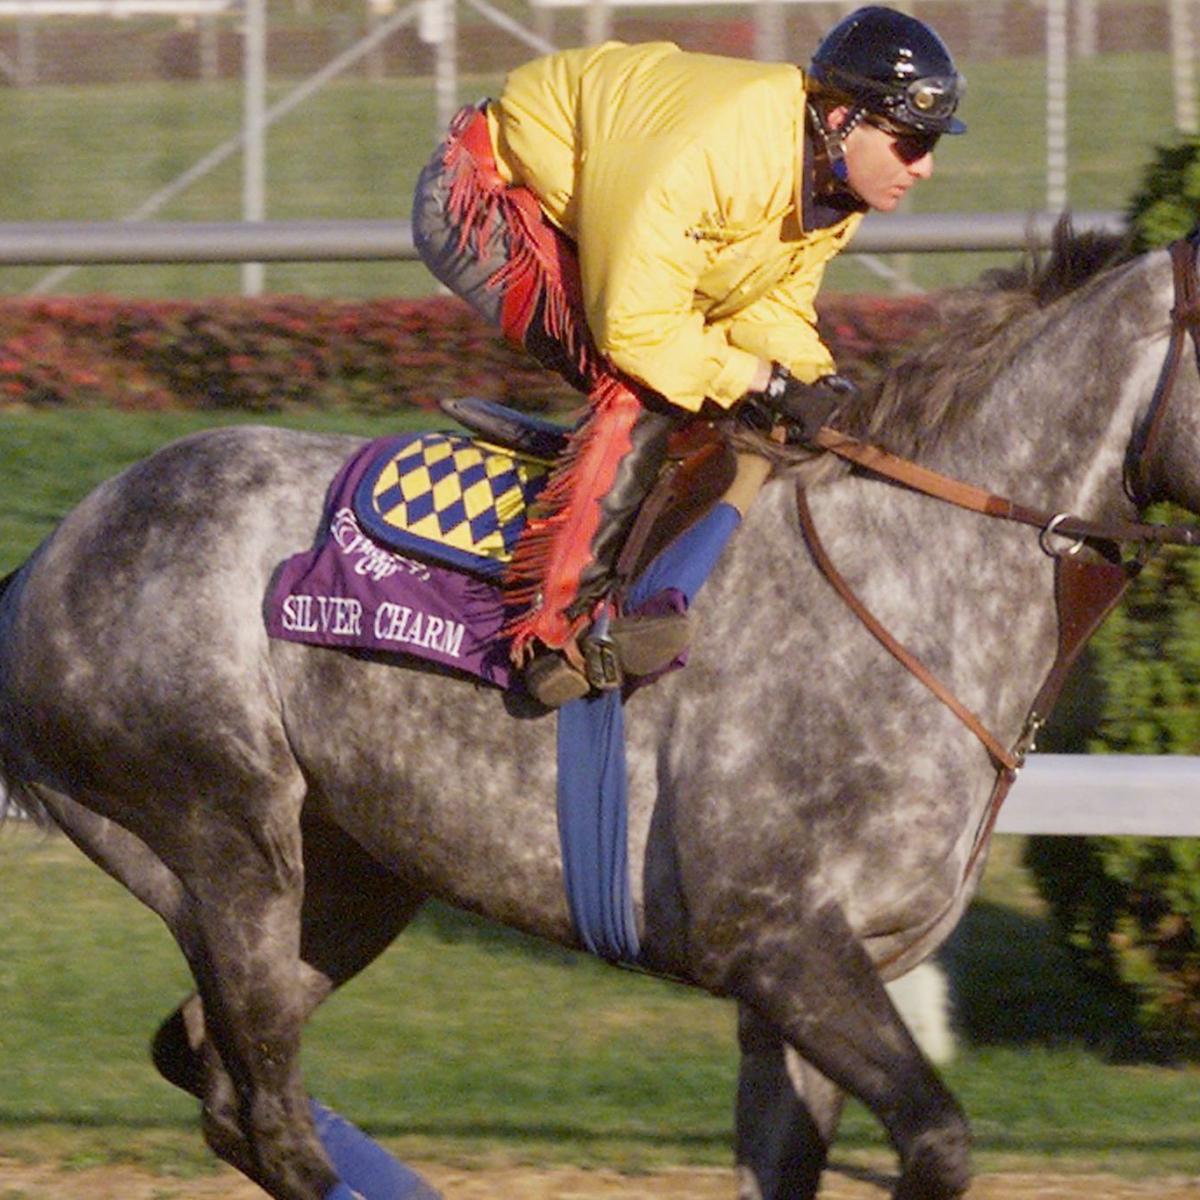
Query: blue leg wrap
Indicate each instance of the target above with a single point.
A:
(367, 1169)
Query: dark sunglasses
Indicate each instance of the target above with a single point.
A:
(910, 145)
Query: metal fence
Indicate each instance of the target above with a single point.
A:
(289, 109)
(30, 243)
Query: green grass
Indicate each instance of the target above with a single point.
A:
(470, 1044)
(354, 150)
(50, 460)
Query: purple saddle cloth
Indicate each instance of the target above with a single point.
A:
(354, 592)
(357, 591)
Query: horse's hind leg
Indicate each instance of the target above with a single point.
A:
(813, 980)
(241, 937)
(787, 1115)
(352, 911)
(237, 920)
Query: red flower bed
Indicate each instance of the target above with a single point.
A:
(275, 353)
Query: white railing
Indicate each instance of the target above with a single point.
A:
(1144, 795)
(1084, 795)
(119, 9)
(63, 243)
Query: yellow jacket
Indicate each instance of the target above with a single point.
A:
(675, 174)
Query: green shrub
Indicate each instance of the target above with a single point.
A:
(1130, 907)
(1167, 203)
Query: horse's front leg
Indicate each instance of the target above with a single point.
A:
(811, 978)
(787, 1115)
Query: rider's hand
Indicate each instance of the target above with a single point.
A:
(802, 408)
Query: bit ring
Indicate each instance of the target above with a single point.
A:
(1048, 532)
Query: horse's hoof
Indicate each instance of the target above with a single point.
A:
(552, 681)
(938, 1165)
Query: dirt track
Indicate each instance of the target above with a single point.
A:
(22, 1182)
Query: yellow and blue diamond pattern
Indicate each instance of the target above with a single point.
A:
(446, 495)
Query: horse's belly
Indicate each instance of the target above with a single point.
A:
(435, 779)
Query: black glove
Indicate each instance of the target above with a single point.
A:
(801, 407)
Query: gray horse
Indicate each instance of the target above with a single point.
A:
(803, 813)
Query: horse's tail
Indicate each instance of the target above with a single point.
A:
(16, 800)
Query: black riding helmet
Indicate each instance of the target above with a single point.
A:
(889, 65)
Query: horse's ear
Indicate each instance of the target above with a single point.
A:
(1075, 258)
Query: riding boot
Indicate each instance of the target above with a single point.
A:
(636, 474)
(565, 563)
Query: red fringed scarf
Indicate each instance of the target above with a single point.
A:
(555, 546)
(539, 277)
(540, 264)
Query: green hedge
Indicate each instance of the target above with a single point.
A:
(1130, 907)
(1167, 202)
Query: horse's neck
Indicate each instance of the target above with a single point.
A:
(974, 598)
(1051, 431)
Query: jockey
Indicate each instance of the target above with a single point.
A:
(654, 225)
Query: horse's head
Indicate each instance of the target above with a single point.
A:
(1163, 456)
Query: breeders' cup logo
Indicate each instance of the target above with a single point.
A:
(370, 560)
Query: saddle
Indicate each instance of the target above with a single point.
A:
(419, 528)
(702, 492)
(701, 468)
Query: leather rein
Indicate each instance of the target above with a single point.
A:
(1085, 590)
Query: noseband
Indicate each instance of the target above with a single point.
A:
(1086, 590)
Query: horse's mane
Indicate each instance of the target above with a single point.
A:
(926, 390)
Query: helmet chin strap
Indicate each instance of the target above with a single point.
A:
(835, 142)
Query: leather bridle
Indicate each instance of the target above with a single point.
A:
(1086, 589)
(1185, 322)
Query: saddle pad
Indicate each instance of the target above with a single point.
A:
(449, 498)
(350, 592)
